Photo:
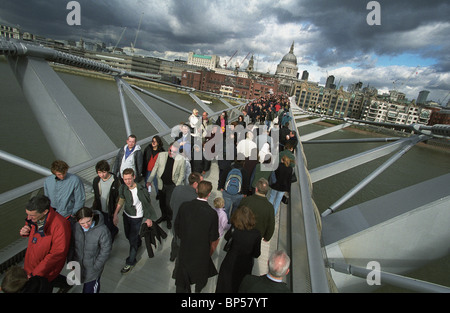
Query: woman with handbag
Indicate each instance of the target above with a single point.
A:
(243, 245)
(283, 179)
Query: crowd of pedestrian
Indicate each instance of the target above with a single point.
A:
(255, 160)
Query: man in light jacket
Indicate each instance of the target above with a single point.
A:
(170, 172)
(65, 190)
(130, 156)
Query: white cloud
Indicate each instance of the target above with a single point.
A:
(409, 80)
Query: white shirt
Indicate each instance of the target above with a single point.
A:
(195, 123)
(245, 147)
(137, 203)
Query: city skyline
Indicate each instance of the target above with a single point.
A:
(408, 51)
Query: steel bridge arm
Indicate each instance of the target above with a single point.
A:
(388, 278)
(71, 132)
(19, 49)
(410, 143)
(342, 165)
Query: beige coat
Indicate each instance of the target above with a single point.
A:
(177, 171)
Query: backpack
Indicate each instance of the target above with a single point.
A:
(233, 182)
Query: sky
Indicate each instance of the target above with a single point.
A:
(407, 50)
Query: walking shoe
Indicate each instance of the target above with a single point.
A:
(126, 269)
(64, 289)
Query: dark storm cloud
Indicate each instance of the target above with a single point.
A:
(327, 33)
(345, 33)
(105, 20)
(342, 31)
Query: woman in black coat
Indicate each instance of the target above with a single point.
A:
(246, 245)
(282, 184)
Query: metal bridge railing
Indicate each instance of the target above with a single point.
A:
(319, 278)
(16, 199)
(421, 133)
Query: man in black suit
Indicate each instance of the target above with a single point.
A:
(197, 226)
(272, 282)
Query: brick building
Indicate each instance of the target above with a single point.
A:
(230, 85)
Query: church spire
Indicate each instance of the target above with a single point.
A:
(292, 48)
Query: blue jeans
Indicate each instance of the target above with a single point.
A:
(275, 198)
(231, 202)
(132, 227)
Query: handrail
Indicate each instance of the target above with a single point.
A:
(33, 186)
(18, 252)
(14, 48)
(318, 276)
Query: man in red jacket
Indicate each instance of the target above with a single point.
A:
(49, 239)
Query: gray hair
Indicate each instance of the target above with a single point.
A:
(279, 263)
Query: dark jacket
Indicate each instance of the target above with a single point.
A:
(262, 284)
(284, 131)
(238, 262)
(150, 235)
(264, 214)
(180, 194)
(37, 284)
(144, 197)
(283, 176)
(197, 226)
(138, 162)
(245, 177)
(113, 195)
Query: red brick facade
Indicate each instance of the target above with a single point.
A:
(246, 88)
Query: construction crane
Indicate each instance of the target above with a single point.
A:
(120, 38)
(445, 98)
(137, 33)
(242, 62)
(407, 80)
(226, 63)
(339, 83)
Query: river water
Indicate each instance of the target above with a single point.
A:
(419, 164)
(22, 136)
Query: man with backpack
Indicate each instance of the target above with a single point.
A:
(233, 183)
